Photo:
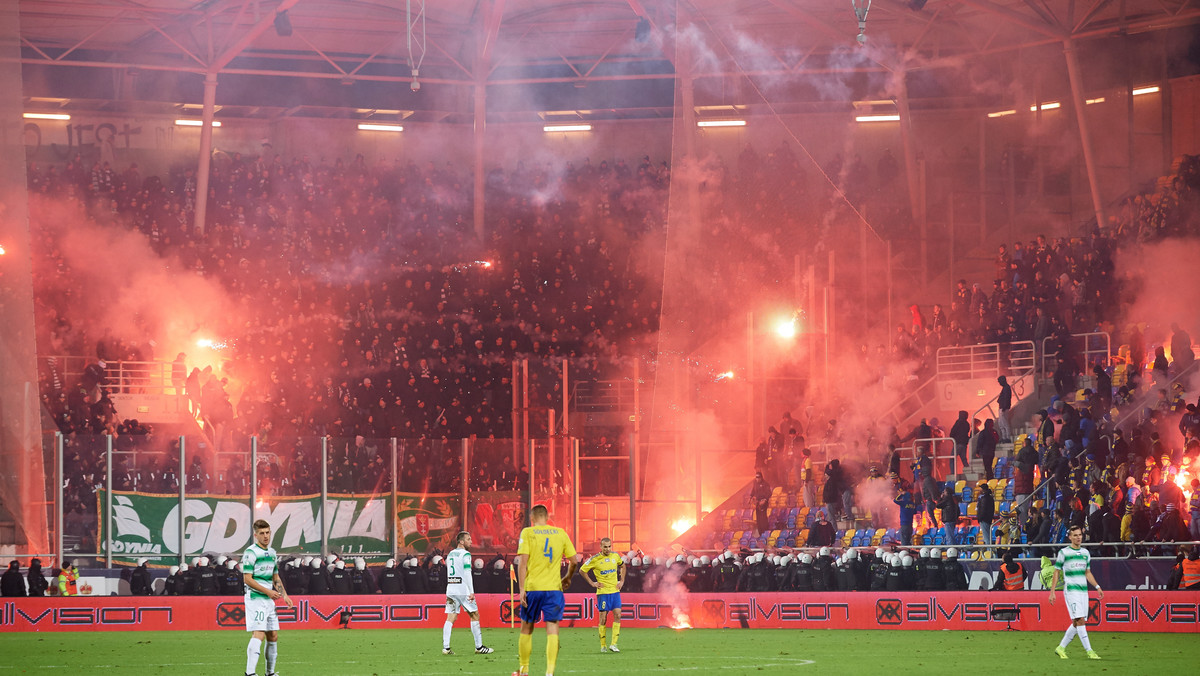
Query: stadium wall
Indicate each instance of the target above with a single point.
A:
(1149, 611)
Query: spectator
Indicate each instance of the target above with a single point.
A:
(11, 583)
(986, 448)
(1004, 404)
(831, 492)
(1026, 461)
(1181, 349)
(950, 512)
(960, 432)
(821, 533)
(38, 584)
(760, 497)
(808, 485)
(985, 511)
(908, 510)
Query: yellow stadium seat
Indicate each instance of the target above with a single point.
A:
(971, 509)
(991, 484)
(959, 486)
(775, 533)
(737, 535)
(777, 491)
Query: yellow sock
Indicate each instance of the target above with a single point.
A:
(601, 628)
(524, 649)
(551, 652)
(616, 631)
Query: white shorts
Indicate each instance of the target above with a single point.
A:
(457, 604)
(260, 615)
(1077, 604)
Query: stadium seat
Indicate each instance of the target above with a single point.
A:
(959, 486)
(971, 509)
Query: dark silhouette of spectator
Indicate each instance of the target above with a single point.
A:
(760, 497)
(11, 583)
(821, 533)
(140, 580)
(38, 584)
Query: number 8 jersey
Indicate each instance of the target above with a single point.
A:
(458, 573)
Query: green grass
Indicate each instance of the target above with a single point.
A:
(696, 651)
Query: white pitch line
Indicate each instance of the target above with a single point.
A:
(776, 662)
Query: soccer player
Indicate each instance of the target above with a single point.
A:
(539, 553)
(609, 572)
(460, 594)
(263, 587)
(1072, 563)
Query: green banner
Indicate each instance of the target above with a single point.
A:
(427, 521)
(147, 524)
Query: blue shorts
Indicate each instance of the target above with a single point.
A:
(542, 605)
(607, 602)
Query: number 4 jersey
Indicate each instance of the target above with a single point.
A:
(544, 548)
(458, 573)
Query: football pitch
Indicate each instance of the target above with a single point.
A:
(705, 651)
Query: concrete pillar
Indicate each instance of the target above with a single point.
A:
(210, 103)
(1079, 102)
(480, 128)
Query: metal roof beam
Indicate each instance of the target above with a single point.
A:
(658, 26)
(267, 21)
(1015, 17)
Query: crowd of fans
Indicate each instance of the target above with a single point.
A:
(367, 309)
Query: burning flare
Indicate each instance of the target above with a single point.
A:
(680, 619)
(681, 526)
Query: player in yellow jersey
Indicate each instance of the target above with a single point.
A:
(609, 571)
(539, 554)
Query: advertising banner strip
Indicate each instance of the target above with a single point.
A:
(1125, 611)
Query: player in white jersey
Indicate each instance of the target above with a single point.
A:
(1072, 565)
(460, 594)
(260, 571)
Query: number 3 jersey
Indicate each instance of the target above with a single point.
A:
(458, 573)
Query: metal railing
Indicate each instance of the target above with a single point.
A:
(129, 377)
(1097, 348)
(985, 360)
(1136, 408)
(381, 496)
(911, 404)
(603, 396)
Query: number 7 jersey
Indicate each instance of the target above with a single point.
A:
(544, 547)
(458, 573)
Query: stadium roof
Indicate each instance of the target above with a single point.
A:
(614, 58)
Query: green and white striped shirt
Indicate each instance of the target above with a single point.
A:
(261, 563)
(1074, 566)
